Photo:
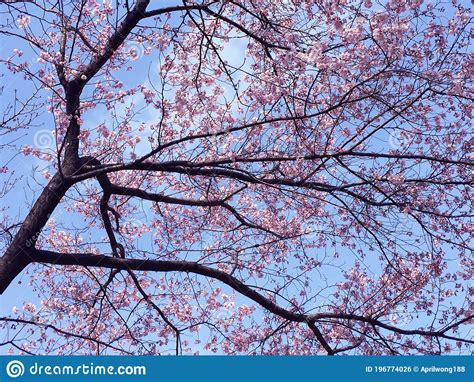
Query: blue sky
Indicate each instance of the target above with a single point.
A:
(29, 170)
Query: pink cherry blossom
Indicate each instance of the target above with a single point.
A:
(237, 177)
(23, 21)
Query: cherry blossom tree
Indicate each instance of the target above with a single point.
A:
(237, 177)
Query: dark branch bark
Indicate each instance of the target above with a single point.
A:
(89, 260)
(19, 254)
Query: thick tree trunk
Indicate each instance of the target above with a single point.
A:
(21, 250)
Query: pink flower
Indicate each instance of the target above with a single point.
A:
(23, 21)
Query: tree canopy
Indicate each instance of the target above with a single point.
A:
(236, 177)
